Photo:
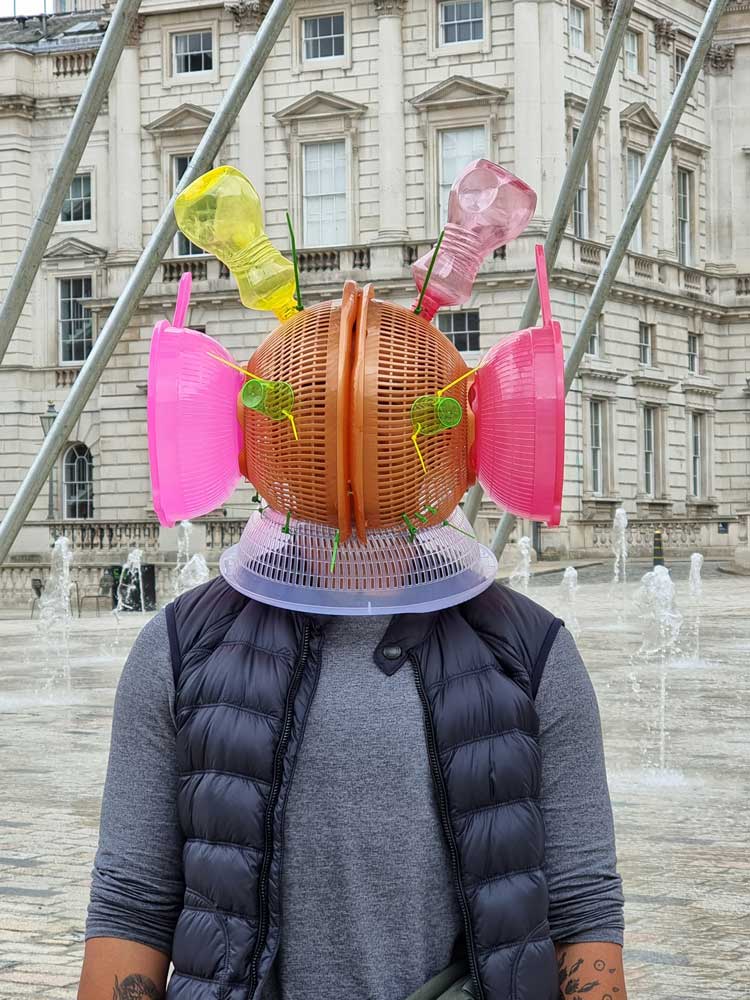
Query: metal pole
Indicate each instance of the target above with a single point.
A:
(83, 122)
(126, 305)
(653, 164)
(578, 160)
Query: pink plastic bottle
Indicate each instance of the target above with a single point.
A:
(488, 207)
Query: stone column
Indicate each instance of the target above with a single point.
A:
(528, 93)
(248, 17)
(554, 157)
(665, 46)
(126, 173)
(722, 115)
(391, 123)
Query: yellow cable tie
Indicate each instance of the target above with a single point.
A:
(414, 437)
(456, 381)
(290, 418)
(229, 364)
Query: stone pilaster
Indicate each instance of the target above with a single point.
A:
(248, 17)
(126, 184)
(391, 122)
(666, 34)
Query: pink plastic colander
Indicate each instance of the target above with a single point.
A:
(194, 436)
(518, 399)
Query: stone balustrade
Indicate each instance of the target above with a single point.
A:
(108, 536)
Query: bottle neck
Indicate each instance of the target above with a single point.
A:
(250, 256)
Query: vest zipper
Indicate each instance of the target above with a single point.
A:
(437, 777)
(273, 796)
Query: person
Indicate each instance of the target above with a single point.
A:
(353, 766)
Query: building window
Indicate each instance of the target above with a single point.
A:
(646, 343)
(461, 22)
(680, 62)
(77, 204)
(696, 453)
(192, 52)
(684, 217)
(577, 16)
(78, 482)
(633, 48)
(461, 328)
(75, 325)
(595, 342)
(596, 437)
(323, 37)
(324, 218)
(649, 445)
(693, 353)
(180, 163)
(634, 170)
(581, 203)
(458, 147)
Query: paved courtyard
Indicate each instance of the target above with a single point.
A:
(677, 737)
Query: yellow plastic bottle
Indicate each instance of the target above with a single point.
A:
(221, 213)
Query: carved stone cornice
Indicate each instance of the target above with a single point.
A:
(17, 106)
(720, 59)
(247, 14)
(389, 8)
(666, 33)
(608, 7)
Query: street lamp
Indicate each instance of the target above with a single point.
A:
(47, 420)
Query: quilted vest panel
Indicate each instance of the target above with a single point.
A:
(245, 675)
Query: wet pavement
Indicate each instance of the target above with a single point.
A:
(677, 735)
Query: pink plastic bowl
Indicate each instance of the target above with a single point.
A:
(518, 398)
(194, 436)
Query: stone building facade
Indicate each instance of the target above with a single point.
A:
(363, 114)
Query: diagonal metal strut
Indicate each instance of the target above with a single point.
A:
(643, 189)
(578, 160)
(140, 279)
(78, 135)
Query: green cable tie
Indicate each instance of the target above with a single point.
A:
(421, 517)
(447, 524)
(295, 262)
(286, 530)
(410, 526)
(336, 538)
(418, 307)
(256, 498)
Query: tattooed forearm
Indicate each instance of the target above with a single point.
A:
(136, 987)
(591, 971)
(570, 982)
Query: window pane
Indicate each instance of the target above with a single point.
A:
(458, 147)
(192, 52)
(461, 22)
(78, 482)
(324, 199)
(462, 328)
(323, 37)
(684, 221)
(634, 169)
(74, 319)
(577, 28)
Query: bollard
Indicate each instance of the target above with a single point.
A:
(658, 548)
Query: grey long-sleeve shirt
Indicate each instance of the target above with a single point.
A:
(368, 906)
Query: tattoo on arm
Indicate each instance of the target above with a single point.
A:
(571, 987)
(136, 987)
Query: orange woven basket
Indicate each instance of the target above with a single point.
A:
(356, 368)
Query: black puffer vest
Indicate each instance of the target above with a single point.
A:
(245, 676)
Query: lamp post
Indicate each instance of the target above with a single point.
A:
(47, 420)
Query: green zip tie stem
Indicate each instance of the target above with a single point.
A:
(447, 524)
(336, 539)
(286, 530)
(418, 307)
(295, 262)
(412, 530)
